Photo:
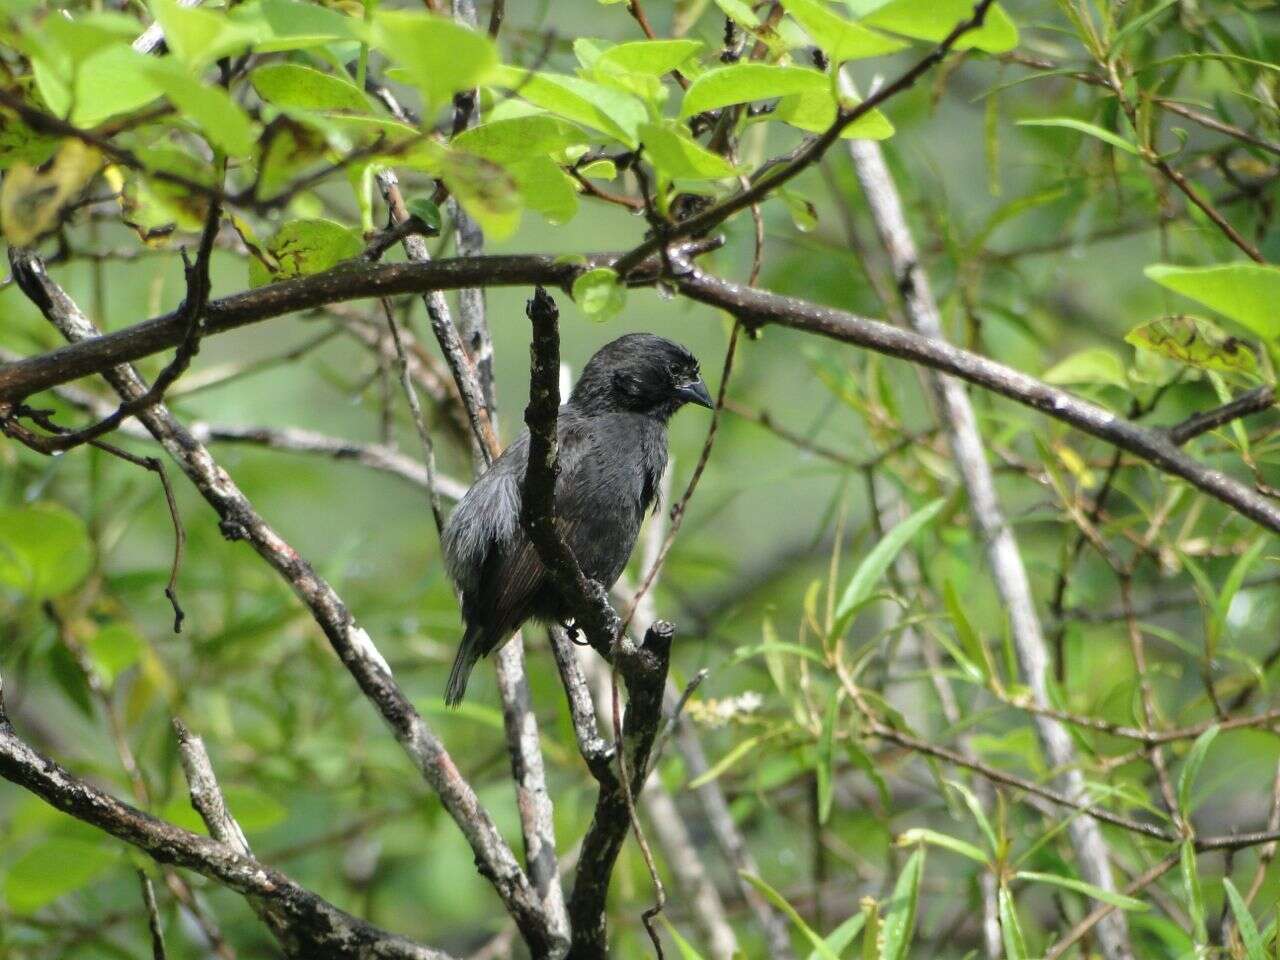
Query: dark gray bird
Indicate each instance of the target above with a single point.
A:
(613, 449)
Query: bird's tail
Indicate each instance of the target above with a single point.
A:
(470, 651)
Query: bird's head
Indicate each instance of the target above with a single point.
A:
(642, 373)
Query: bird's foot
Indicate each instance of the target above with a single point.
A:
(574, 634)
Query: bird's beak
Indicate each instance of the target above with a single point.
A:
(696, 392)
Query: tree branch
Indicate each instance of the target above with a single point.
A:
(1247, 404)
(644, 670)
(321, 929)
(1003, 554)
(352, 644)
(757, 307)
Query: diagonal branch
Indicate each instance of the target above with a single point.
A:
(321, 929)
(352, 644)
(1003, 554)
(1245, 405)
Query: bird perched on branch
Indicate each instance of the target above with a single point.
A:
(612, 437)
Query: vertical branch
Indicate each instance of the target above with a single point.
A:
(678, 848)
(154, 926)
(1003, 555)
(473, 373)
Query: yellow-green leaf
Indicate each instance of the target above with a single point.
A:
(744, 82)
(1195, 341)
(305, 88)
(677, 155)
(932, 20)
(303, 247)
(439, 56)
(839, 38)
(1248, 293)
(599, 294)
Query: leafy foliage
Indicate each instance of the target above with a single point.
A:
(1076, 176)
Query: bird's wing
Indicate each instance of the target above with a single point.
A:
(512, 579)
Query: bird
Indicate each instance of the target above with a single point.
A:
(612, 436)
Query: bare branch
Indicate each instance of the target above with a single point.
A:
(352, 644)
(1247, 404)
(1003, 554)
(318, 926)
(644, 669)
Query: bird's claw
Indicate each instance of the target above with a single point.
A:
(574, 634)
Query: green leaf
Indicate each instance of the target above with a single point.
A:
(199, 37)
(839, 38)
(59, 866)
(1246, 292)
(1196, 342)
(819, 945)
(969, 639)
(1015, 944)
(114, 648)
(293, 25)
(1254, 946)
(979, 815)
(421, 44)
(1095, 366)
(824, 765)
(863, 761)
(1092, 129)
(1230, 587)
(219, 117)
(900, 919)
(648, 57)
(595, 170)
(918, 835)
(44, 550)
(486, 190)
(677, 155)
(546, 188)
(1088, 889)
(740, 12)
(519, 138)
(1195, 895)
(110, 82)
(426, 210)
(871, 921)
(598, 294)
(602, 108)
(876, 563)
(815, 110)
(840, 938)
(735, 754)
(1136, 24)
(744, 82)
(304, 247)
(291, 85)
(1195, 760)
(685, 948)
(933, 20)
